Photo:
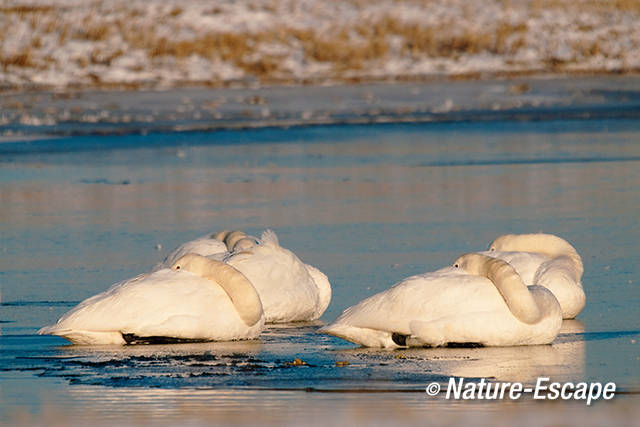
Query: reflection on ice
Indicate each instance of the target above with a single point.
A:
(561, 361)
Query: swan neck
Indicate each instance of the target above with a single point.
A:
(549, 245)
(515, 293)
(240, 290)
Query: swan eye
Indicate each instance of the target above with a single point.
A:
(492, 249)
(456, 265)
(177, 267)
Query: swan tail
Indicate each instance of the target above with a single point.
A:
(270, 237)
(83, 337)
(365, 337)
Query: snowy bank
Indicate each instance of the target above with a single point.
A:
(166, 43)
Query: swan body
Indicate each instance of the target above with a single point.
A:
(290, 290)
(545, 260)
(481, 301)
(197, 299)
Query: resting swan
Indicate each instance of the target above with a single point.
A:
(212, 246)
(480, 300)
(197, 299)
(290, 290)
(545, 260)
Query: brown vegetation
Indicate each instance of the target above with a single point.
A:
(348, 49)
(25, 9)
(21, 59)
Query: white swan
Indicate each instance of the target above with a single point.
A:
(197, 299)
(545, 260)
(211, 246)
(290, 290)
(481, 300)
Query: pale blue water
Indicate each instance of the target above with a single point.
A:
(367, 204)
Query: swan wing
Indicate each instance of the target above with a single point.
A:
(426, 297)
(287, 291)
(324, 290)
(164, 303)
(559, 275)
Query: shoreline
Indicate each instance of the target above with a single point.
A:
(42, 114)
(247, 84)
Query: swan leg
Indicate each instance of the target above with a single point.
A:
(135, 339)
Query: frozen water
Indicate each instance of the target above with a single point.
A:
(369, 204)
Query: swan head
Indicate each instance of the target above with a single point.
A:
(245, 244)
(232, 238)
(193, 263)
(473, 263)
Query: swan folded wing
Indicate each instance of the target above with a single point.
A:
(324, 290)
(489, 328)
(562, 266)
(425, 297)
(141, 305)
(287, 291)
(560, 276)
(547, 244)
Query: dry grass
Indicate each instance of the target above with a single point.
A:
(99, 57)
(341, 49)
(347, 48)
(350, 48)
(93, 31)
(21, 59)
(177, 11)
(587, 5)
(25, 9)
